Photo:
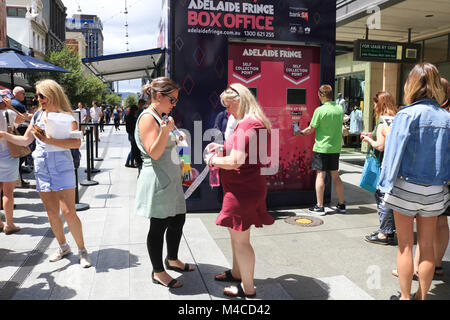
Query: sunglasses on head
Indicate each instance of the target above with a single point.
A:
(39, 95)
(232, 89)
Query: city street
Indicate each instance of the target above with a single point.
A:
(293, 262)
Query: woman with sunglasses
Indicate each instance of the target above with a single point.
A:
(54, 168)
(159, 194)
(9, 166)
(244, 186)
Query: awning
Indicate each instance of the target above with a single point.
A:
(126, 66)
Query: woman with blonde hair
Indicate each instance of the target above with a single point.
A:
(244, 186)
(54, 168)
(385, 110)
(416, 174)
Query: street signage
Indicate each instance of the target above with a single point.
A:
(385, 51)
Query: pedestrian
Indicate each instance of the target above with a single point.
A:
(9, 166)
(159, 194)
(385, 110)
(442, 235)
(18, 103)
(416, 174)
(116, 116)
(95, 113)
(54, 168)
(101, 122)
(130, 122)
(327, 124)
(244, 186)
(83, 117)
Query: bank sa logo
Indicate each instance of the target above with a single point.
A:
(307, 30)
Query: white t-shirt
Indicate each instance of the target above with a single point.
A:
(3, 125)
(83, 114)
(95, 114)
(231, 124)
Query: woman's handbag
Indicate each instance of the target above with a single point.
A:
(15, 150)
(371, 172)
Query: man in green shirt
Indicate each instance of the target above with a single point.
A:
(327, 125)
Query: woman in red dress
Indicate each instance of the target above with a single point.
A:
(244, 184)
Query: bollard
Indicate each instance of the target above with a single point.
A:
(96, 143)
(93, 169)
(76, 163)
(88, 182)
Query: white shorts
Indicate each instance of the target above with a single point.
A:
(411, 199)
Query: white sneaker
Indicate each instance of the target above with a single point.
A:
(85, 261)
(59, 254)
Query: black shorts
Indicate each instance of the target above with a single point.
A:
(325, 161)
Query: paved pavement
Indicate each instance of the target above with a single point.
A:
(326, 262)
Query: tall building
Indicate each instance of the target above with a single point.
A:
(26, 24)
(92, 28)
(54, 13)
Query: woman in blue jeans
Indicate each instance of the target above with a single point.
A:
(415, 174)
(385, 110)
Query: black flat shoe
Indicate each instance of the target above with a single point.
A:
(171, 284)
(187, 267)
(228, 277)
(240, 293)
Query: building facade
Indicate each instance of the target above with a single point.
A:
(387, 22)
(92, 28)
(26, 25)
(54, 13)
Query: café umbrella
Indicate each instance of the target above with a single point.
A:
(14, 61)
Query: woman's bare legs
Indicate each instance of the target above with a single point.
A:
(244, 257)
(8, 202)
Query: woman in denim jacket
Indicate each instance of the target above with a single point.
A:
(415, 174)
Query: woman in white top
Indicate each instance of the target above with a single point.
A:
(54, 168)
(9, 166)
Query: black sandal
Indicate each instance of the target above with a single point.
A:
(228, 277)
(240, 293)
(171, 284)
(187, 267)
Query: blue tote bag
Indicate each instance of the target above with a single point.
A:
(371, 172)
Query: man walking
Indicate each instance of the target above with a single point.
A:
(327, 125)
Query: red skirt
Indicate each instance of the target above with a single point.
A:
(244, 199)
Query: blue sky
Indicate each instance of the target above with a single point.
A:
(143, 26)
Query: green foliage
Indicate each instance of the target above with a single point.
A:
(130, 100)
(113, 99)
(79, 87)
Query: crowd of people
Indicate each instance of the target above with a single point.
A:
(412, 143)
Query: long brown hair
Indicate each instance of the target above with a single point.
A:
(446, 86)
(423, 82)
(384, 104)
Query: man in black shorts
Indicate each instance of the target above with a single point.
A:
(327, 125)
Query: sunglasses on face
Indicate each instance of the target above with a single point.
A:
(40, 96)
(171, 99)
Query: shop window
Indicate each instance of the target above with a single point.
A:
(16, 12)
(436, 49)
(296, 96)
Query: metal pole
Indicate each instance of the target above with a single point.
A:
(79, 206)
(88, 182)
(93, 169)
(96, 143)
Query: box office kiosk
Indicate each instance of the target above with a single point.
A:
(281, 50)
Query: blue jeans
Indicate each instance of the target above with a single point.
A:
(386, 215)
